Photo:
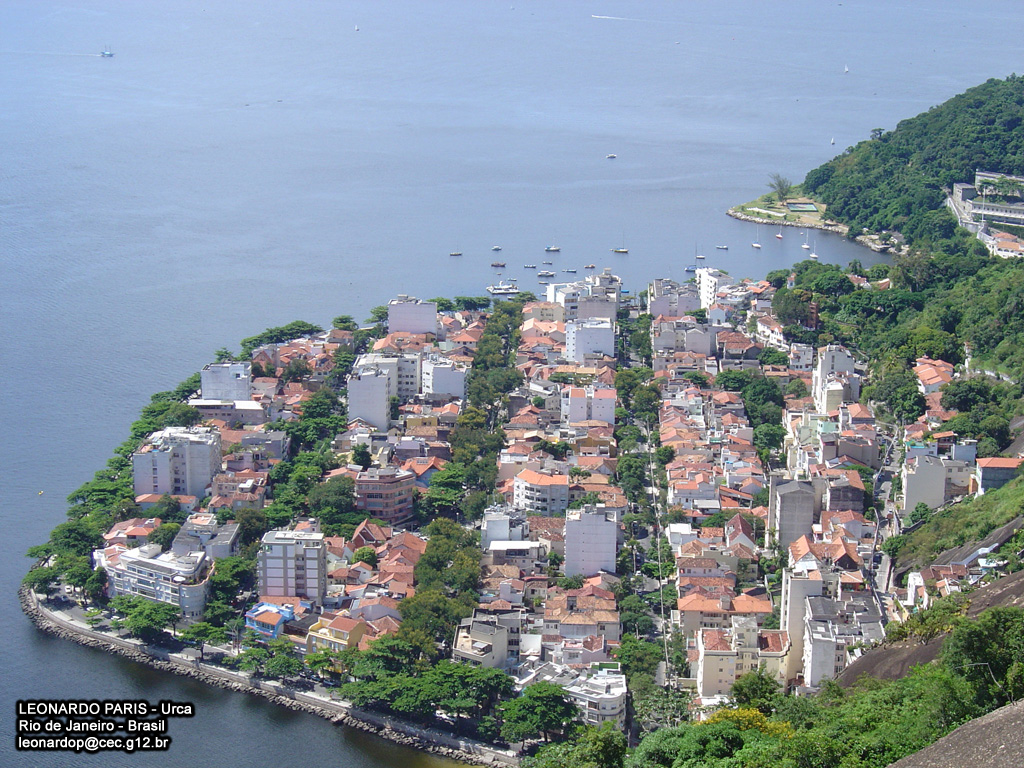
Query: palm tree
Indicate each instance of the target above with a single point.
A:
(780, 185)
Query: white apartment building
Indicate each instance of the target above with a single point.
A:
(670, 299)
(545, 493)
(727, 654)
(178, 580)
(601, 697)
(589, 337)
(934, 480)
(369, 395)
(226, 381)
(178, 461)
(407, 314)
(590, 542)
(405, 371)
(709, 282)
(791, 506)
(444, 377)
(293, 564)
(592, 403)
(834, 380)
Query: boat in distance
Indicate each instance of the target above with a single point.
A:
(552, 249)
(545, 273)
(571, 271)
(620, 250)
(106, 53)
(610, 157)
(691, 268)
(722, 247)
(529, 266)
(591, 266)
(455, 253)
(495, 247)
(503, 288)
(497, 263)
(547, 262)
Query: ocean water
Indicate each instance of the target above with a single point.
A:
(238, 165)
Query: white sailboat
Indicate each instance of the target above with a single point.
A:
(813, 254)
(806, 246)
(779, 233)
(757, 242)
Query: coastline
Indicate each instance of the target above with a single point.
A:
(387, 727)
(869, 241)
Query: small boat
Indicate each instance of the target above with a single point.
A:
(547, 262)
(722, 247)
(806, 246)
(455, 253)
(543, 282)
(357, 27)
(529, 266)
(691, 268)
(497, 263)
(757, 242)
(846, 69)
(755, 245)
(779, 233)
(813, 255)
(570, 271)
(700, 255)
(696, 253)
(495, 247)
(552, 249)
(610, 157)
(620, 250)
(503, 288)
(590, 266)
(545, 273)
(106, 53)
(833, 140)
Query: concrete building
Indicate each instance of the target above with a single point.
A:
(201, 533)
(995, 473)
(591, 403)
(934, 480)
(601, 697)
(407, 314)
(544, 493)
(443, 377)
(178, 461)
(797, 586)
(369, 396)
(830, 628)
(178, 580)
(723, 655)
(668, 298)
(386, 493)
(233, 412)
(585, 338)
(404, 370)
(590, 542)
(709, 282)
(293, 564)
(834, 380)
(791, 507)
(226, 381)
(489, 639)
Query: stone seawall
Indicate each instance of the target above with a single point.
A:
(338, 712)
(869, 241)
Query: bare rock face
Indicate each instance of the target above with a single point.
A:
(993, 741)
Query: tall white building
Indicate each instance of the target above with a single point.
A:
(226, 381)
(709, 282)
(407, 314)
(369, 396)
(589, 337)
(444, 377)
(791, 506)
(588, 404)
(293, 563)
(178, 461)
(405, 371)
(590, 539)
(178, 580)
(834, 380)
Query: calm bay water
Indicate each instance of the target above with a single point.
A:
(239, 165)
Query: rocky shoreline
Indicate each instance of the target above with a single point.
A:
(873, 242)
(341, 713)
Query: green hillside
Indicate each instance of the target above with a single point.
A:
(893, 180)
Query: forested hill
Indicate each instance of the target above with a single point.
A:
(893, 180)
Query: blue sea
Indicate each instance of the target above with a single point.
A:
(237, 165)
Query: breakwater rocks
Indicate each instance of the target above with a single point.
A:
(874, 242)
(338, 712)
